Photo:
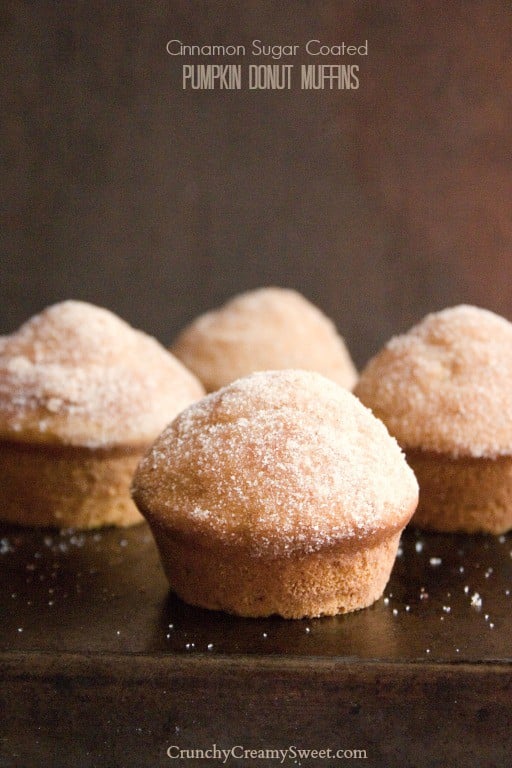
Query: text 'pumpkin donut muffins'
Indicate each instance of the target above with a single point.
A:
(280, 494)
(444, 390)
(82, 396)
(265, 329)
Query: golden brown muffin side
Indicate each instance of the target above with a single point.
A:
(67, 487)
(462, 494)
(322, 583)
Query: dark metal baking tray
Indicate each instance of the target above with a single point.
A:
(101, 665)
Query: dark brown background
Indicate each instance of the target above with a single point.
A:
(379, 204)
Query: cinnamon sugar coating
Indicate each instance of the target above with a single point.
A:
(445, 386)
(78, 375)
(275, 464)
(264, 329)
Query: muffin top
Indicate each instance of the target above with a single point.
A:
(277, 462)
(446, 385)
(78, 375)
(265, 329)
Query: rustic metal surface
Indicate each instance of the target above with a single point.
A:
(98, 659)
(105, 592)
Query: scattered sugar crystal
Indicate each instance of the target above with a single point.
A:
(435, 561)
(476, 600)
(5, 546)
(418, 546)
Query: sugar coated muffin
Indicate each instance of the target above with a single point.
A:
(444, 391)
(265, 329)
(82, 396)
(278, 494)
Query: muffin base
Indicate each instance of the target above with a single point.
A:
(465, 494)
(67, 487)
(293, 586)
